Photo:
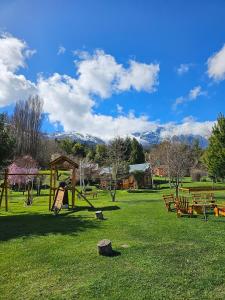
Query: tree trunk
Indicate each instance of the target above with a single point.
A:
(105, 247)
(99, 215)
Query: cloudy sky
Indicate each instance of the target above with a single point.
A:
(115, 67)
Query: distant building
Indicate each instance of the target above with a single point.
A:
(160, 171)
(139, 177)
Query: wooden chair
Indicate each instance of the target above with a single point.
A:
(183, 208)
(219, 210)
(169, 201)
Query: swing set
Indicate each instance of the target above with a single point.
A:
(58, 195)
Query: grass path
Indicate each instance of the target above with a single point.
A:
(161, 256)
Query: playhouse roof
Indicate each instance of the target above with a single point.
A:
(61, 159)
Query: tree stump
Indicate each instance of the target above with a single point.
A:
(99, 215)
(105, 248)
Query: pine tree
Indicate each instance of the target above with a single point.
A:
(214, 156)
(137, 155)
(7, 143)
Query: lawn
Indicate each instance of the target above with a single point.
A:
(159, 256)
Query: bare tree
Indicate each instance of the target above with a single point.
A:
(155, 158)
(179, 160)
(26, 124)
(117, 166)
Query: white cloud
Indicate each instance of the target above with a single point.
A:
(216, 65)
(191, 96)
(119, 108)
(61, 50)
(183, 68)
(139, 76)
(188, 126)
(195, 92)
(102, 75)
(13, 86)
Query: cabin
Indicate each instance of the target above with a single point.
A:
(139, 177)
(160, 171)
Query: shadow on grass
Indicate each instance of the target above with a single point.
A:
(142, 191)
(114, 253)
(104, 208)
(141, 201)
(40, 225)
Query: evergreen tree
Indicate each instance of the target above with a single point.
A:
(7, 143)
(91, 154)
(101, 154)
(214, 156)
(79, 150)
(66, 145)
(137, 155)
(128, 148)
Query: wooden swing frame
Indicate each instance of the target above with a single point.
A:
(53, 173)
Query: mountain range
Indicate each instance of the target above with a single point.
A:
(146, 138)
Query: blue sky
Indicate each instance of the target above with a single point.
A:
(177, 36)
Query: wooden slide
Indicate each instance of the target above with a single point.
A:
(58, 201)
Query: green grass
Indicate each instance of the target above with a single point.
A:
(161, 256)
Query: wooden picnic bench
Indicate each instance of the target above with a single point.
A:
(203, 201)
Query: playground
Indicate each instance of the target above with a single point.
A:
(159, 256)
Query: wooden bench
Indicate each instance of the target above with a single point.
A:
(182, 207)
(169, 201)
(203, 197)
(200, 199)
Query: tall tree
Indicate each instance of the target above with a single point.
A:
(137, 155)
(179, 160)
(214, 156)
(27, 121)
(6, 141)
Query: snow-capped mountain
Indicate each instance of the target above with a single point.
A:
(149, 138)
(146, 138)
(78, 137)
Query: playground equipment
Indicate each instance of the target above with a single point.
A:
(55, 193)
(5, 186)
(58, 193)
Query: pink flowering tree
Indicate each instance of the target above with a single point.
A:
(24, 165)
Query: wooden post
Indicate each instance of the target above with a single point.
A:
(50, 191)
(6, 189)
(2, 193)
(54, 181)
(73, 187)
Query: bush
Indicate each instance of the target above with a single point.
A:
(204, 179)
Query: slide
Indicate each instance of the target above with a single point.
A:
(58, 201)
